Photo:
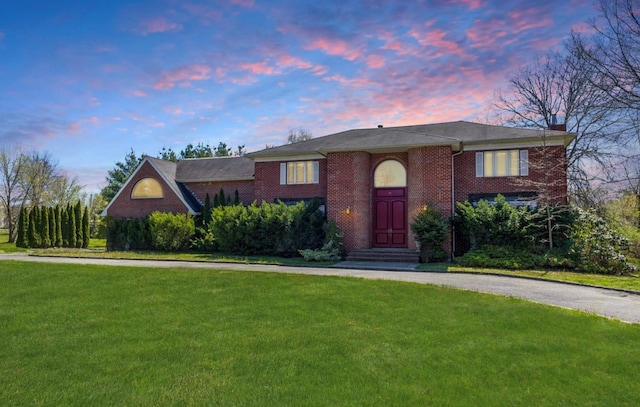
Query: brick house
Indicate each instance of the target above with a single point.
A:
(373, 181)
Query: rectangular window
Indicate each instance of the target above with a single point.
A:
(299, 172)
(504, 163)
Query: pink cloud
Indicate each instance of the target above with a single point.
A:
(375, 61)
(473, 4)
(183, 75)
(139, 93)
(259, 68)
(334, 47)
(528, 19)
(158, 25)
(436, 38)
(485, 33)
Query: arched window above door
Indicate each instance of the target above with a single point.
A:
(390, 174)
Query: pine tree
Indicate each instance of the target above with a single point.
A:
(58, 214)
(216, 201)
(236, 198)
(23, 225)
(85, 228)
(222, 200)
(79, 234)
(45, 241)
(73, 238)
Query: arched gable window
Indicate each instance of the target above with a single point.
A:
(147, 188)
(389, 174)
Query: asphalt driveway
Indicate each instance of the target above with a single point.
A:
(620, 305)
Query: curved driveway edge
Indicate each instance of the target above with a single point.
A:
(614, 304)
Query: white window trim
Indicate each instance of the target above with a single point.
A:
(315, 176)
(523, 167)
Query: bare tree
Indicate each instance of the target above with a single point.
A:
(298, 135)
(39, 172)
(11, 166)
(614, 51)
(560, 87)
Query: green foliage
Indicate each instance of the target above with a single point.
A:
(45, 240)
(206, 210)
(71, 226)
(52, 226)
(23, 226)
(119, 175)
(33, 235)
(170, 231)
(269, 228)
(128, 234)
(597, 248)
(509, 257)
(59, 221)
(77, 209)
(331, 250)
(86, 234)
(430, 229)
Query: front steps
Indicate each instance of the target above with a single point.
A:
(385, 255)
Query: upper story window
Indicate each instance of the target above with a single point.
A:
(147, 188)
(299, 172)
(502, 163)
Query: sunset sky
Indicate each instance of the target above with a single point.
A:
(89, 80)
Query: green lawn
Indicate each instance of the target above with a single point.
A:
(87, 335)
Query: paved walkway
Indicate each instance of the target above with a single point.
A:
(606, 302)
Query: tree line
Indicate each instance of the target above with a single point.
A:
(49, 226)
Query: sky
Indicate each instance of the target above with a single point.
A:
(87, 81)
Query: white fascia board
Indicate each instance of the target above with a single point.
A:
(505, 145)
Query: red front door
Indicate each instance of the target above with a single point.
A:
(390, 217)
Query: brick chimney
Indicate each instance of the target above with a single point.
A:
(554, 124)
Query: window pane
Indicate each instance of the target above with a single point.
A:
(147, 188)
(514, 162)
(488, 164)
(300, 172)
(309, 172)
(291, 172)
(501, 163)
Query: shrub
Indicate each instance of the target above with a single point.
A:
(170, 231)
(430, 229)
(331, 250)
(596, 247)
(128, 234)
(268, 229)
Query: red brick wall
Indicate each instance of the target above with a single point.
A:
(429, 183)
(125, 207)
(547, 173)
(268, 188)
(245, 190)
(349, 187)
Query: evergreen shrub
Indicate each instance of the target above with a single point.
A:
(169, 231)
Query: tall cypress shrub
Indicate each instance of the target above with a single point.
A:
(45, 240)
(206, 210)
(33, 237)
(86, 234)
(23, 225)
(79, 235)
(73, 238)
(52, 226)
(58, 216)
(64, 225)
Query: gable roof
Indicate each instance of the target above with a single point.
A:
(387, 139)
(167, 171)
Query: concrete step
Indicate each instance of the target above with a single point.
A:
(384, 255)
